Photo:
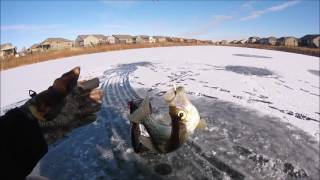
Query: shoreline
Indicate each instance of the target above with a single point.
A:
(14, 62)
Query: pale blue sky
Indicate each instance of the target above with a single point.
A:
(24, 23)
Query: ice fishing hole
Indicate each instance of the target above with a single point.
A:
(163, 169)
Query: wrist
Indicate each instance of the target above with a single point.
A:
(36, 114)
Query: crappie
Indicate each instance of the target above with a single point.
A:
(184, 119)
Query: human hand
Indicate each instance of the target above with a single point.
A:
(46, 105)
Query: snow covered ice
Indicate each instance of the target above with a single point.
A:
(261, 106)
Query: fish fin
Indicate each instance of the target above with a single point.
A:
(135, 133)
(142, 112)
(146, 141)
(169, 95)
(202, 124)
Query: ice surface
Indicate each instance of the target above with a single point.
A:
(259, 127)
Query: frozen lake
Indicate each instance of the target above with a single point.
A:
(262, 109)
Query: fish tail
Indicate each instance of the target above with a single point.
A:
(143, 111)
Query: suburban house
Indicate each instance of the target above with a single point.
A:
(181, 40)
(233, 42)
(176, 40)
(191, 41)
(34, 48)
(56, 43)
(7, 50)
(111, 40)
(141, 39)
(152, 39)
(310, 40)
(160, 39)
(90, 40)
(215, 42)
(169, 39)
(242, 41)
(268, 41)
(123, 39)
(287, 41)
(253, 40)
(223, 42)
(208, 42)
(184, 40)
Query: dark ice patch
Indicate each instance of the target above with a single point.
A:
(238, 97)
(288, 87)
(314, 72)
(224, 90)
(304, 90)
(258, 147)
(242, 150)
(263, 97)
(252, 56)
(204, 82)
(294, 172)
(201, 95)
(262, 101)
(214, 87)
(262, 160)
(250, 93)
(246, 70)
(297, 115)
(163, 169)
(208, 96)
(155, 85)
(134, 65)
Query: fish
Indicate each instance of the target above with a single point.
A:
(183, 115)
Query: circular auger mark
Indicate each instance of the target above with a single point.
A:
(163, 169)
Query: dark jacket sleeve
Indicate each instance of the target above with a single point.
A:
(22, 144)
